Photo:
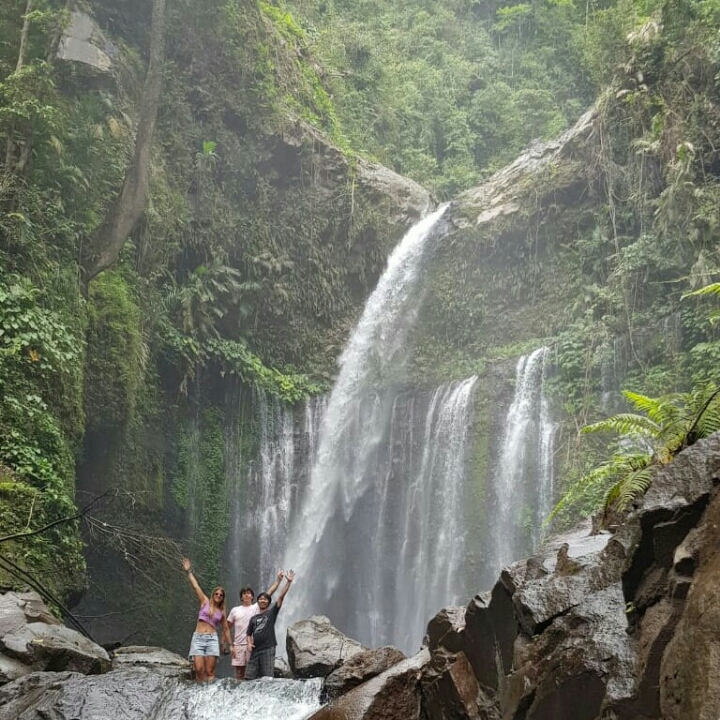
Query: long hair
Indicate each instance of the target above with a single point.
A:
(211, 601)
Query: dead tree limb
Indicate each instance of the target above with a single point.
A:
(23, 576)
(60, 521)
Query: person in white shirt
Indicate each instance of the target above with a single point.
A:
(239, 618)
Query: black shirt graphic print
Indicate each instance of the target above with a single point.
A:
(262, 629)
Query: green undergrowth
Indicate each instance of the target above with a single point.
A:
(40, 426)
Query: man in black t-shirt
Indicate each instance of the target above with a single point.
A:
(261, 633)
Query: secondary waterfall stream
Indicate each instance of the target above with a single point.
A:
(522, 483)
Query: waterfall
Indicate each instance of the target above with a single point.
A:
(432, 551)
(262, 500)
(377, 544)
(522, 483)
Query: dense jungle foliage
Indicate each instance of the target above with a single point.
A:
(234, 270)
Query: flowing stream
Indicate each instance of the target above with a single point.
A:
(264, 699)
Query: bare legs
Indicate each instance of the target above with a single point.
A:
(204, 667)
(239, 672)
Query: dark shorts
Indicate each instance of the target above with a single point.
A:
(261, 664)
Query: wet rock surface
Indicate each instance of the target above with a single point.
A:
(56, 648)
(315, 648)
(129, 694)
(154, 658)
(360, 668)
(31, 638)
(144, 694)
(621, 626)
(393, 695)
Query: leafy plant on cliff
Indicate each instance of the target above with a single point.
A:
(646, 440)
(39, 357)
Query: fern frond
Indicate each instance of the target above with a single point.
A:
(610, 471)
(598, 477)
(630, 486)
(625, 424)
(711, 289)
(641, 402)
(709, 421)
(663, 410)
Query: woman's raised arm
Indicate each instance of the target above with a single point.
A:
(202, 598)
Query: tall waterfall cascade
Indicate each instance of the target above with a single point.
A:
(377, 545)
(521, 486)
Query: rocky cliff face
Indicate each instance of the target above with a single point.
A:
(619, 625)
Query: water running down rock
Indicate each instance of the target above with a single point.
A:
(378, 522)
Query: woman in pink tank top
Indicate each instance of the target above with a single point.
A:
(205, 648)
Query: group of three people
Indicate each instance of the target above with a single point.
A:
(253, 648)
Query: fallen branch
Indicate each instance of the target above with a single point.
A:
(54, 523)
(25, 577)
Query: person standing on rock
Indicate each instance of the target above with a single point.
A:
(204, 648)
(239, 617)
(261, 634)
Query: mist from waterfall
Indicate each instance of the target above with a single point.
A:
(521, 485)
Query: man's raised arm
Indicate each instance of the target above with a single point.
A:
(289, 577)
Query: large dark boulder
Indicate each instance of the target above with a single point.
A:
(315, 647)
(597, 625)
(360, 668)
(453, 693)
(690, 666)
(392, 695)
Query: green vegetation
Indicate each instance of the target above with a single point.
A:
(40, 425)
(259, 243)
(646, 440)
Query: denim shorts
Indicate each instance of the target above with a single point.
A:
(204, 644)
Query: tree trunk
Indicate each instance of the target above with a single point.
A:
(123, 214)
(24, 34)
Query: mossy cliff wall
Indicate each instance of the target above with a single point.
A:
(262, 236)
(585, 245)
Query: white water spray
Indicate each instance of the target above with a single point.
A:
(522, 486)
